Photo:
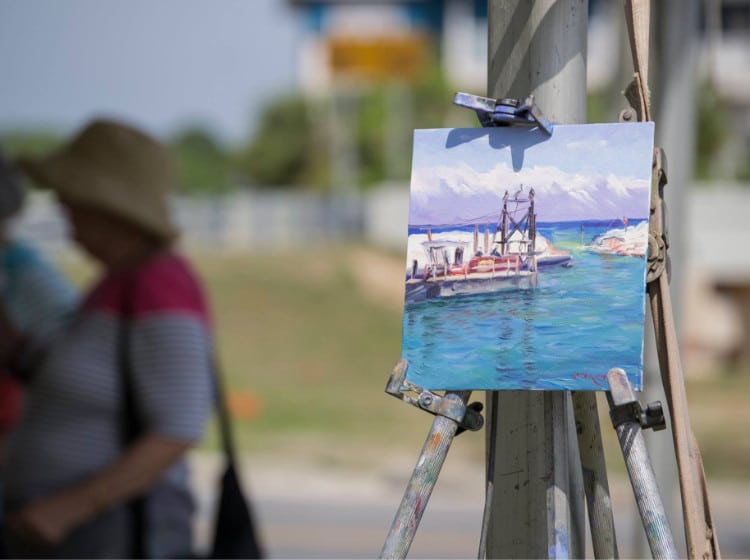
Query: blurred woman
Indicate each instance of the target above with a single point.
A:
(98, 467)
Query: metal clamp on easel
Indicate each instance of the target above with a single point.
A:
(628, 419)
(452, 416)
(624, 407)
(504, 112)
(450, 406)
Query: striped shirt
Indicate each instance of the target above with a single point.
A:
(72, 426)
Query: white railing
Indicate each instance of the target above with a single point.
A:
(241, 221)
(715, 231)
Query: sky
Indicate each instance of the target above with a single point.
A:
(581, 172)
(160, 64)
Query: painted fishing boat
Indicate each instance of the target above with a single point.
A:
(510, 261)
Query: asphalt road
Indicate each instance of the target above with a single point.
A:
(310, 511)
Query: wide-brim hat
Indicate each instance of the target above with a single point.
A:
(115, 168)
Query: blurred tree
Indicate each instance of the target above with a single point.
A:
(712, 123)
(371, 136)
(16, 142)
(202, 162)
(598, 110)
(292, 144)
(283, 151)
(427, 103)
(743, 171)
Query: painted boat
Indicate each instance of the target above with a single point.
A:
(511, 264)
(630, 241)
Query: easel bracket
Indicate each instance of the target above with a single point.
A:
(636, 94)
(624, 406)
(504, 112)
(658, 238)
(451, 405)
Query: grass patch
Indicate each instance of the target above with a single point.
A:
(305, 337)
(298, 331)
(720, 418)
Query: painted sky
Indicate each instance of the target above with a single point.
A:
(581, 172)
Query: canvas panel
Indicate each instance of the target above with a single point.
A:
(526, 256)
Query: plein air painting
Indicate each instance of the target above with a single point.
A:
(526, 259)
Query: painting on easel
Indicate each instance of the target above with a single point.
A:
(526, 257)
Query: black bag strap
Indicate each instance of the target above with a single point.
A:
(132, 426)
(222, 411)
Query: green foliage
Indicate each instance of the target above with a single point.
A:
(292, 145)
(433, 102)
(597, 108)
(30, 142)
(301, 341)
(202, 163)
(425, 104)
(371, 136)
(712, 122)
(283, 151)
(743, 172)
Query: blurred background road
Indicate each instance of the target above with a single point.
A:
(306, 510)
(291, 124)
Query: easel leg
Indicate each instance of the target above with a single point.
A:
(422, 482)
(596, 485)
(700, 533)
(642, 478)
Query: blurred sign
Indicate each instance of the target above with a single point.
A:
(401, 57)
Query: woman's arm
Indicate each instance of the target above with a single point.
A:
(50, 519)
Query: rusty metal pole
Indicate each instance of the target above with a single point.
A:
(536, 509)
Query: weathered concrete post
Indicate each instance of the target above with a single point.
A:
(538, 47)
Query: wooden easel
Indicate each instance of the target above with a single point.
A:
(454, 415)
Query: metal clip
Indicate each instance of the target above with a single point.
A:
(624, 407)
(504, 112)
(451, 405)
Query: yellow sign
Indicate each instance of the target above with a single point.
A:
(381, 58)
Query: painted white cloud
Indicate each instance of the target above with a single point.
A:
(452, 194)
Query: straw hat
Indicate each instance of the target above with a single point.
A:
(11, 193)
(115, 168)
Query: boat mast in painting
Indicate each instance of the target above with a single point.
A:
(509, 262)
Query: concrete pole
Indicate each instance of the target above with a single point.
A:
(536, 510)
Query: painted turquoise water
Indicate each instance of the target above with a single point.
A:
(566, 333)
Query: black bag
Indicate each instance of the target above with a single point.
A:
(235, 534)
